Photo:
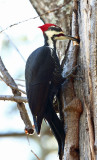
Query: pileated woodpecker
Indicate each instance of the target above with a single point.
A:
(43, 75)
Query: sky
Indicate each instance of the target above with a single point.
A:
(26, 37)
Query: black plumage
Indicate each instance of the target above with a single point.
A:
(43, 78)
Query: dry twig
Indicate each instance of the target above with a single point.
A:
(15, 46)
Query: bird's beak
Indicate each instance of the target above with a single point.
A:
(62, 36)
(71, 38)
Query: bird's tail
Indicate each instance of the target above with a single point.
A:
(57, 129)
(37, 123)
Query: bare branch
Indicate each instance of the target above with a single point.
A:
(11, 83)
(32, 150)
(35, 154)
(12, 86)
(18, 99)
(19, 80)
(7, 78)
(12, 134)
(21, 85)
(14, 79)
(47, 12)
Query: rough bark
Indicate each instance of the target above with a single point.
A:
(81, 143)
(87, 90)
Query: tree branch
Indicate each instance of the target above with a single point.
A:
(18, 99)
(11, 83)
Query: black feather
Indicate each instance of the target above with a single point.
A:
(43, 78)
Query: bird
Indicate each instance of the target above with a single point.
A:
(43, 77)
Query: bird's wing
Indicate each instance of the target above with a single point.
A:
(38, 74)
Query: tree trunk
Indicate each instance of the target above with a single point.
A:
(80, 18)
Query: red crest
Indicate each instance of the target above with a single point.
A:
(46, 26)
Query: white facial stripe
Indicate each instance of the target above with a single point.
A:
(51, 44)
(60, 38)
